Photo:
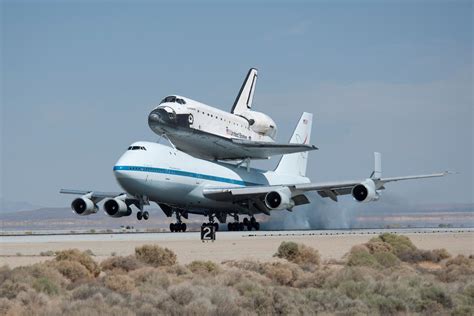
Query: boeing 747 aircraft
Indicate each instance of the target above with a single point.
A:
(182, 184)
(207, 132)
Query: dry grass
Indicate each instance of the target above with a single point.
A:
(373, 279)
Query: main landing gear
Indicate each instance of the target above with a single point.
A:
(143, 215)
(179, 226)
(240, 226)
(212, 221)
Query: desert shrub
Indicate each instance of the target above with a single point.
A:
(386, 259)
(181, 293)
(32, 299)
(441, 254)
(353, 289)
(282, 273)
(119, 283)
(72, 270)
(203, 267)
(48, 253)
(155, 255)
(10, 289)
(361, 256)
(376, 246)
(150, 278)
(457, 268)
(399, 243)
(5, 306)
(81, 257)
(124, 264)
(387, 305)
(200, 307)
(45, 285)
(298, 253)
(436, 294)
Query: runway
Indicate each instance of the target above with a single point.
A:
(332, 244)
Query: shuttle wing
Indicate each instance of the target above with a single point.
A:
(210, 146)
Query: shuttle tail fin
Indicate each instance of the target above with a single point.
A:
(244, 99)
(295, 164)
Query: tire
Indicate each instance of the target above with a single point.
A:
(146, 215)
(216, 226)
(183, 227)
(253, 221)
(246, 221)
(241, 226)
(139, 216)
(172, 227)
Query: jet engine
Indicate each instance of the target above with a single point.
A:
(260, 123)
(279, 199)
(84, 206)
(117, 208)
(365, 192)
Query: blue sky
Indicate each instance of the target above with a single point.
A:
(79, 79)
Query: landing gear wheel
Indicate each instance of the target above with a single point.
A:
(139, 216)
(246, 221)
(241, 226)
(256, 225)
(172, 227)
(146, 215)
(183, 227)
(216, 226)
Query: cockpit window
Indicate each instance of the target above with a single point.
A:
(173, 99)
(136, 148)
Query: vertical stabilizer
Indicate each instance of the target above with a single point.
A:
(295, 164)
(244, 99)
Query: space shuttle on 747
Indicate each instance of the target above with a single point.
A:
(210, 133)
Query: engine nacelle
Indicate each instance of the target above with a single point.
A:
(84, 206)
(279, 199)
(365, 192)
(117, 208)
(261, 123)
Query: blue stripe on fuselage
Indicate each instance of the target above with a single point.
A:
(184, 174)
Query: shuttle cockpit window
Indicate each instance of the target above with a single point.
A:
(169, 99)
(173, 99)
(136, 148)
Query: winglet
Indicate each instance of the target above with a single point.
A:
(377, 173)
(244, 99)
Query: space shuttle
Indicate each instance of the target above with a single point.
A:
(210, 133)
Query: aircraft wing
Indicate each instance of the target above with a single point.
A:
(97, 196)
(324, 189)
(94, 194)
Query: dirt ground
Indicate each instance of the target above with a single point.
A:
(227, 247)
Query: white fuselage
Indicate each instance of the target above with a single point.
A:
(172, 177)
(250, 126)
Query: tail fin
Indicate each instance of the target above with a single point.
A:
(244, 99)
(295, 164)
